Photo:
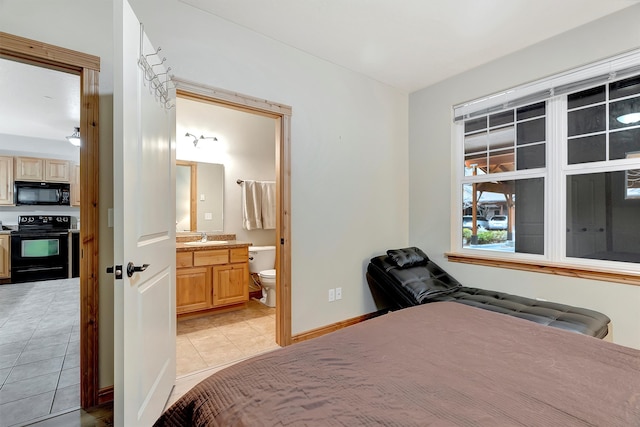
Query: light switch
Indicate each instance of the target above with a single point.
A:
(202, 198)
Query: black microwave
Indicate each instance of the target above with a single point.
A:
(42, 193)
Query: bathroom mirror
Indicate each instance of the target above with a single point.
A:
(199, 196)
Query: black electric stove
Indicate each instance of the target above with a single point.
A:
(40, 248)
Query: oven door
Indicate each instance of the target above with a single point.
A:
(39, 256)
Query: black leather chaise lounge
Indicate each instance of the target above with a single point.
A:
(407, 277)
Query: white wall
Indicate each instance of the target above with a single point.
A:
(246, 147)
(349, 141)
(348, 150)
(430, 127)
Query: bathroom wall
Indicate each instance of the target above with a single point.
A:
(18, 145)
(246, 147)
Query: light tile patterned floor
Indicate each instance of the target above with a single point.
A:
(39, 349)
(219, 339)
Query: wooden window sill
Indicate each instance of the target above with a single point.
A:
(548, 268)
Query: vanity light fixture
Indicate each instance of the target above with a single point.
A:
(196, 139)
(75, 137)
(628, 119)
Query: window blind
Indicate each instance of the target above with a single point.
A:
(595, 74)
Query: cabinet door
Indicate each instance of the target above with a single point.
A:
(75, 185)
(29, 169)
(6, 180)
(56, 170)
(5, 259)
(230, 284)
(193, 289)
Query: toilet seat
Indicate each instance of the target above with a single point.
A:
(268, 274)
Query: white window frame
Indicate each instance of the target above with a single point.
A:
(556, 166)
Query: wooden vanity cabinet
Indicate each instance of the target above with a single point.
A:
(210, 279)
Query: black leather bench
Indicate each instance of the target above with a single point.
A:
(407, 277)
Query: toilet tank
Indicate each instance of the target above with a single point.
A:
(261, 258)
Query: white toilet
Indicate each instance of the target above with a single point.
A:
(262, 261)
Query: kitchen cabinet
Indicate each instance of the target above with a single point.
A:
(57, 170)
(75, 185)
(39, 169)
(6, 180)
(5, 258)
(207, 280)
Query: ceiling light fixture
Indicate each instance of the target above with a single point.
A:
(628, 119)
(196, 139)
(75, 137)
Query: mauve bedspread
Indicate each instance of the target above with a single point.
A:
(440, 364)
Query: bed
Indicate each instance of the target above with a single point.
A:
(440, 364)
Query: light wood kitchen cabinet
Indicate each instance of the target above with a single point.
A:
(211, 279)
(57, 170)
(75, 185)
(5, 258)
(39, 169)
(28, 168)
(6, 180)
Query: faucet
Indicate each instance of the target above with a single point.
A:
(203, 236)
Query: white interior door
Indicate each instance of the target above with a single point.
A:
(144, 229)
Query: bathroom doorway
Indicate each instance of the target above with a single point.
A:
(258, 327)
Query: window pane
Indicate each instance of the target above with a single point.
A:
(475, 125)
(530, 111)
(529, 220)
(586, 97)
(531, 131)
(588, 149)
(531, 156)
(502, 137)
(501, 161)
(626, 87)
(501, 118)
(587, 120)
(497, 217)
(475, 164)
(619, 109)
(476, 143)
(623, 143)
(602, 223)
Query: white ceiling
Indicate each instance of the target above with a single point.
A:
(410, 44)
(38, 102)
(407, 44)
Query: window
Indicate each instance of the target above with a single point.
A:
(554, 174)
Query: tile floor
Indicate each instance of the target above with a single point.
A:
(218, 339)
(39, 349)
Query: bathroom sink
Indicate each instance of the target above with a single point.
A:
(207, 243)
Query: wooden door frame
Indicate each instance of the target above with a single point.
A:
(282, 115)
(88, 68)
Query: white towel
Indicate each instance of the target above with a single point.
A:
(268, 204)
(251, 205)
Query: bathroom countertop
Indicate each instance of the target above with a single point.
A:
(181, 247)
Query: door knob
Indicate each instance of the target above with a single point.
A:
(133, 268)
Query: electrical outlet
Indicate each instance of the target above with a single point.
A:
(332, 295)
(338, 293)
(208, 216)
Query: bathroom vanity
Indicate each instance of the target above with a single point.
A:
(211, 276)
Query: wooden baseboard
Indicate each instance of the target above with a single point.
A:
(105, 395)
(314, 333)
